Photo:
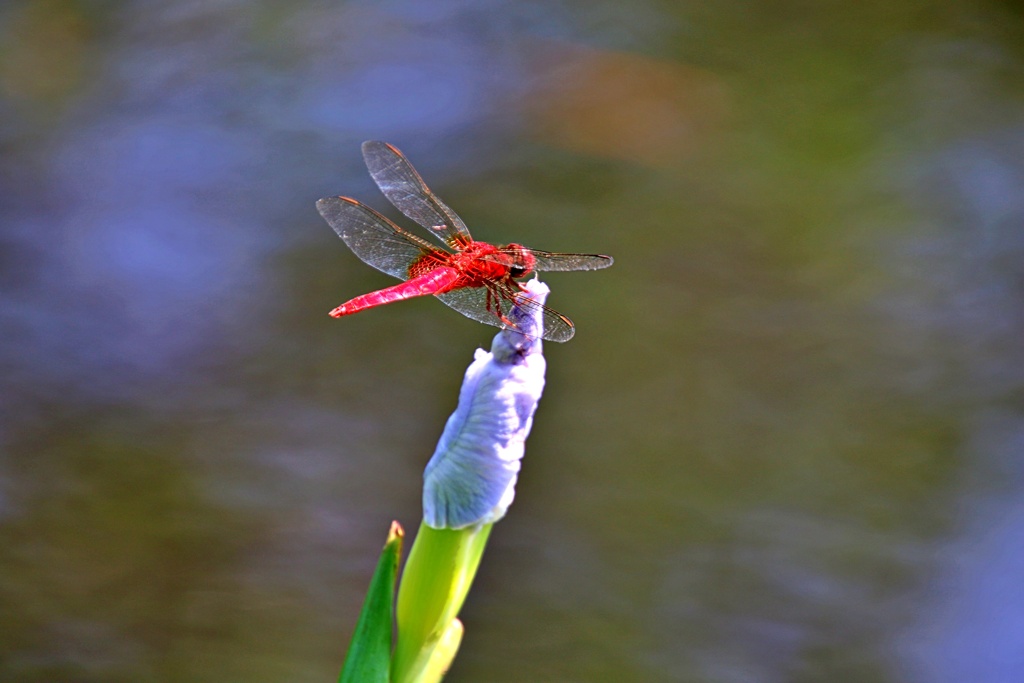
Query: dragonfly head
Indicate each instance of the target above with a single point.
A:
(522, 260)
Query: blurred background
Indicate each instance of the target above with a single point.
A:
(785, 445)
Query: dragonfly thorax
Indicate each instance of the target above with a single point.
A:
(480, 260)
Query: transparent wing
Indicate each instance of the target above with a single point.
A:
(373, 238)
(491, 304)
(547, 260)
(404, 188)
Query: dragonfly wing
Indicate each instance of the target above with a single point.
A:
(547, 260)
(373, 238)
(404, 188)
(491, 304)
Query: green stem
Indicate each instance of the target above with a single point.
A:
(436, 579)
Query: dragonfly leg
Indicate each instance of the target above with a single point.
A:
(494, 305)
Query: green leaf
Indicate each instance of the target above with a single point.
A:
(369, 653)
(442, 654)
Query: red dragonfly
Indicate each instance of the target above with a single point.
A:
(477, 279)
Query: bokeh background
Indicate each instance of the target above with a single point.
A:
(785, 445)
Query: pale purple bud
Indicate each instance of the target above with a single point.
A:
(472, 475)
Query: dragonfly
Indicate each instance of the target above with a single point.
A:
(478, 279)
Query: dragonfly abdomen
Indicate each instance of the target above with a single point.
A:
(436, 281)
